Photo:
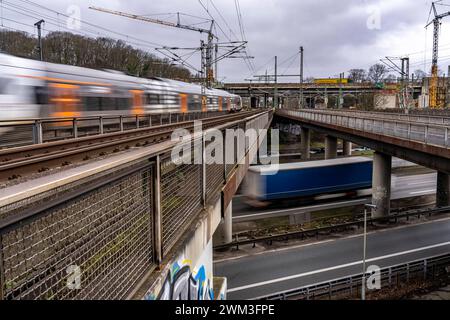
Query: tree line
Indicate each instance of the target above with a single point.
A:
(380, 73)
(99, 53)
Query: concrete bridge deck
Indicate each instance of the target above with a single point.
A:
(420, 139)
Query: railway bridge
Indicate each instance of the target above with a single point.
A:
(101, 211)
(260, 93)
(422, 139)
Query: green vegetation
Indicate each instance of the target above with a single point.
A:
(366, 153)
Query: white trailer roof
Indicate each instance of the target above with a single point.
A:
(308, 164)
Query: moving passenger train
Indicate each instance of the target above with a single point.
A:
(35, 89)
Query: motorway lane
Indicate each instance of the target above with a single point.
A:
(401, 187)
(275, 271)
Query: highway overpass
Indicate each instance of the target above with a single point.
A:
(421, 139)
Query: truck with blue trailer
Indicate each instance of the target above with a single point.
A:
(308, 180)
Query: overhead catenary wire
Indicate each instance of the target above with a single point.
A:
(229, 38)
(148, 43)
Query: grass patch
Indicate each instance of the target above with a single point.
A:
(365, 153)
(272, 222)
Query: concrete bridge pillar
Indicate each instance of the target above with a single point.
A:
(224, 231)
(305, 134)
(330, 147)
(347, 148)
(381, 184)
(443, 190)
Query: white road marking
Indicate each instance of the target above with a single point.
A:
(423, 191)
(305, 209)
(296, 276)
(300, 246)
(418, 183)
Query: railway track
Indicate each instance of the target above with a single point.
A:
(19, 162)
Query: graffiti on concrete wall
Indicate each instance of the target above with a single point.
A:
(182, 283)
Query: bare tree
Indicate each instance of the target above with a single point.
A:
(390, 78)
(378, 72)
(357, 75)
(419, 74)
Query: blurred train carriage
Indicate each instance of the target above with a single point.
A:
(34, 89)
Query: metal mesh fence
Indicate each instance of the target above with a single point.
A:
(231, 152)
(180, 198)
(106, 232)
(214, 169)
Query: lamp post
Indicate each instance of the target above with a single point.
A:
(363, 284)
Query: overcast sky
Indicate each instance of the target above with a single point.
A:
(336, 35)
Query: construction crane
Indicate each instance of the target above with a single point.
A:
(206, 49)
(434, 103)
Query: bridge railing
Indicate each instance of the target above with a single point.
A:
(433, 134)
(20, 132)
(95, 232)
(442, 119)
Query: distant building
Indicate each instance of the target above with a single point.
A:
(386, 99)
(442, 92)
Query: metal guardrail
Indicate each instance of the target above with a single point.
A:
(429, 118)
(39, 130)
(115, 226)
(316, 231)
(350, 286)
(415, 131)
(416, 111)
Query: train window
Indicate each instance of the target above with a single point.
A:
(153, 99)
(169, 99)
(122, 103)
(194, 104)
(41, 95)
(4, 85)
(92, 103)
(174, 99)
(107, 103)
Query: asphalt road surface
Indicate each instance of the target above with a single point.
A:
(284, 269)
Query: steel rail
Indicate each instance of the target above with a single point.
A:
(15, 162)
